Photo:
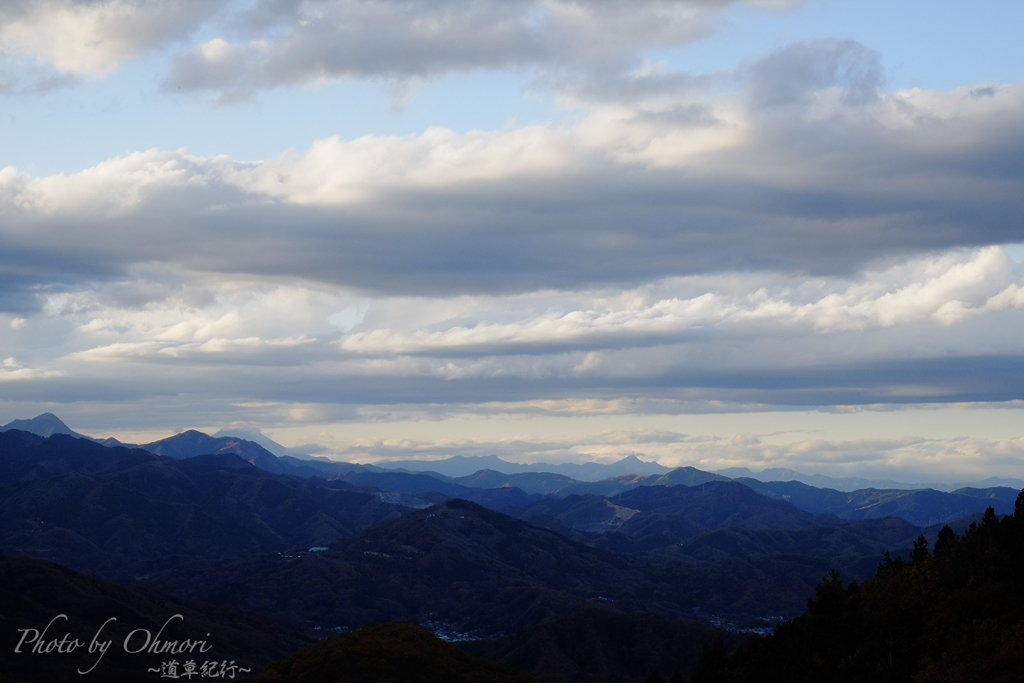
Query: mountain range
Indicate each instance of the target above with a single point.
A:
(116, 511)
(923, 507)
(556, 573)
(858, 483)
(461, 466)
(129, 514)
(251, 444)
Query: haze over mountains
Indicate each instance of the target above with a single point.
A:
(512, 489)
(251, 444)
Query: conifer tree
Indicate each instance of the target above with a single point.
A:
(945, 542)
(920, 552)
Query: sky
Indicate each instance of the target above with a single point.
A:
(715, 233)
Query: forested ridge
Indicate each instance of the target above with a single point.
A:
(952, 614)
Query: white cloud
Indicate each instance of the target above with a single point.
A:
(91, 37)
(235, 350)
(110, 188)
(13, 371)
(947, 288)
(234, 322)
(337, 172)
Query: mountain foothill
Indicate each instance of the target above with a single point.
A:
(304, 568)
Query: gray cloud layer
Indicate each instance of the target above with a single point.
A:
(316, 40)
(830, 175)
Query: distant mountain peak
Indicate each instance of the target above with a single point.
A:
(46, 424)
(255, 435)
(193, 442)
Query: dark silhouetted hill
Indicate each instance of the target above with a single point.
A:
(457, 563)
(596, 645)
(192, 443)
(122, 512)
(472, 569)
(613, 486)
(34, 592)
(387, 653)
(649, 517)
(401, 482)
(531, 482)
(923, 507)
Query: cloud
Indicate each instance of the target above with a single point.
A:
(603, 445)
(696, 248)
(227, 323)
(90, 37)
(947, 289)
(13, 371)
(785, 234)
(271, 43)
(790, 75)
(910, 459)
(235, 350)
(728, 341)
(318, 40)
(629, 194)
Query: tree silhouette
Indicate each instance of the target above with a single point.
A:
(957, 615)
(920, 552)
(946, 540)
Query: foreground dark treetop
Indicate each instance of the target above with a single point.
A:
(952, 616)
